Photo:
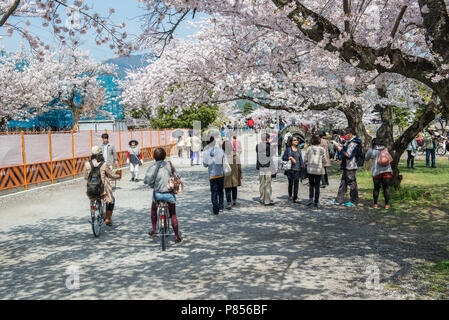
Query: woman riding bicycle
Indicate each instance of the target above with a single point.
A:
(106, 174)
(157, 178)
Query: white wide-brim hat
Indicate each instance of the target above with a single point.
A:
(96, 150)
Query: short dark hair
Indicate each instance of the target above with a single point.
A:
(315, 140)
(211, 141)
(350, 130)
(159, 154)
(104, 136)
(322, 134)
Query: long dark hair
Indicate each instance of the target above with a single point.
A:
(98, 157)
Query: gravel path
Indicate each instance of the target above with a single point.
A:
(251, 252)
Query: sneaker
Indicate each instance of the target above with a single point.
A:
(178, 239)
(309, 203)
(290, 198)
(153, 234)
(334, 202)
(387, 207)
(376, 206)
(228, 206)
(315, 205)
(350, 204)
(269, 205)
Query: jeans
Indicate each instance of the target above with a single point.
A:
(430, 153)
(195, 154)
(167, 197)
(314, 187)
(231, 194)
(410, 159)
(217, 194)
(348, 179)
(293, 186)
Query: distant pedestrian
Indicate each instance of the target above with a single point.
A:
(293, 153)
(381, 171)
(349, 166)
(266, 167)
(196, 149)
(412, 147)
(189, 146)
(234, 180)
(325, 145)
(430, 141)
(315, 160)
(134, 159)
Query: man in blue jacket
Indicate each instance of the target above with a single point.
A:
(349, 166)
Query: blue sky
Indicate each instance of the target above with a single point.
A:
(126, 11)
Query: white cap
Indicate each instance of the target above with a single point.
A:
(96, 150)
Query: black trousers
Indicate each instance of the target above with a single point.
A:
(410, 159)
(293, 185)
(231, 194)
(314, 187)
(385, 184)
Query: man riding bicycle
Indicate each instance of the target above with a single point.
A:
(106, 173)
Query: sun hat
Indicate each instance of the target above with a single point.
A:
(432, 128)
(96, 150)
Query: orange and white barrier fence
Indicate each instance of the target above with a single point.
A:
(36, 157)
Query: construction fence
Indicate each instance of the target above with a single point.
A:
(32, 158)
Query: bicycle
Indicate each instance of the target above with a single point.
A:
(163, 223)
(97, 213)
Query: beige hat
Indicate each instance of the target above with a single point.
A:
(432, 128)
(96, 150)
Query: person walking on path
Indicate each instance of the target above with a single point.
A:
(180, 146)
(157, 177)
(234, 180)
(315, 160)
(325, 145)
(213, 159)
(106, 174)
(293, 153)
(411, 153)
(196, 148)
(430, 141)
(266, 167)
(382, 173)
(189, 146)
(251, 125)
(109, 152)
(134, 159)
(349, 167)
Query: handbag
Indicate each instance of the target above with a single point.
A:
(227, 170)
(285, 165)
(174, 182)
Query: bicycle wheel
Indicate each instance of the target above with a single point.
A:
(163, 230)
(97, 218)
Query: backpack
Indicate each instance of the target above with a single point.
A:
(360, 156)
(95, 187)
(174, 182)
(384, 158)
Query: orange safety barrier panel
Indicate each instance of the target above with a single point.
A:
(75, 146)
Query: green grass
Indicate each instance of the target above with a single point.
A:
(435, 276)
(422, 201)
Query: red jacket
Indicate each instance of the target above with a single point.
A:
(251, 122)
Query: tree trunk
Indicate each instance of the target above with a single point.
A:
(354, 115)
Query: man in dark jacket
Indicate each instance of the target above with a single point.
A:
(266, 167)
(349, 167)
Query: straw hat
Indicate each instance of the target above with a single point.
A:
(96, 150)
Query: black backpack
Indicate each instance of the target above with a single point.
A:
(360, 156)
(95, 186)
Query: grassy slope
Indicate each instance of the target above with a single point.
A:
(422, 204)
